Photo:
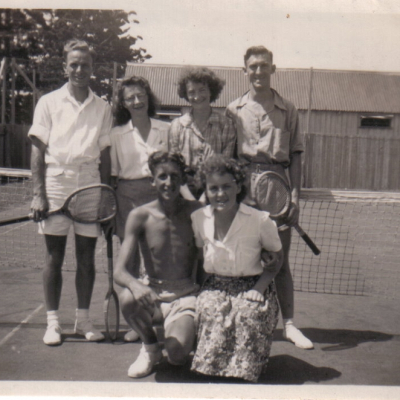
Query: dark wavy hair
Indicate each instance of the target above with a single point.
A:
(76, 44)
(256, 50)
(160, 157)
(219, 164)
(121, 114)
(200, 75)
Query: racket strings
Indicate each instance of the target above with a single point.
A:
(95, 204)
(272, 195)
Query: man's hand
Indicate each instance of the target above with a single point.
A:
(109, 228)
(39, 208)
(145, 296)
(293, 216)
(253, 295)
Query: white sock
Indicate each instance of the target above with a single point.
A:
(82, 314)
(287, 322)
(152, 348)
(52, 317)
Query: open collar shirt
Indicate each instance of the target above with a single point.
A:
(218, 137)
(266, 137)
(239, 253)
(130, 153)
(74, 133)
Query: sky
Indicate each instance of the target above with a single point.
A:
(323, 34)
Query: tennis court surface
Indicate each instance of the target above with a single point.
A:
(346, 303)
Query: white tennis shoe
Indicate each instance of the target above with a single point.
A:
(145, 362)
(131, 336)
(292, 334)
(86, 328)
(52, 337)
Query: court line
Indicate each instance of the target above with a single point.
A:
(13, 229)
(17, 328)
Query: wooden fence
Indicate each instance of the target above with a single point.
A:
(334, 162)
(344, 162)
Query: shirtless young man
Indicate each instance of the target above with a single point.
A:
(163, 229)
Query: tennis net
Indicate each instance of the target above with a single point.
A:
(356, 231)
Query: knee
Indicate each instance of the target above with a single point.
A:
(128, 304)
(175, 351)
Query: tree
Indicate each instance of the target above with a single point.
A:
(35, 38)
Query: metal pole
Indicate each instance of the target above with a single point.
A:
(3, 92)
(12, 91)
(309, 101)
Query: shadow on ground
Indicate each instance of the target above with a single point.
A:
(296, 372)
(339, 339)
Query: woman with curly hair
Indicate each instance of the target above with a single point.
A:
(135, 136)
(203, 131)
(237, 308)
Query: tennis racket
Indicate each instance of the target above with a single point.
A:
(87, 205)
(111, 303)
(274, 195)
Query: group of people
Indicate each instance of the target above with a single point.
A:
(216, 267)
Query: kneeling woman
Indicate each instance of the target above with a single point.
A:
(237, 309)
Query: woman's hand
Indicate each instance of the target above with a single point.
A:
(254, 295)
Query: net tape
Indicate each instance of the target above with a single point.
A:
(357, 232)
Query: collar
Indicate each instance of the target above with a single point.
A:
(278, 100)
(243, 209)
(155, 124)
(67, 95)
(187, 119)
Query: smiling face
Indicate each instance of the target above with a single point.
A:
(198, 94)
(168, 180)
(259, 68)
(221, 190)
(136, 99)
(79, 68)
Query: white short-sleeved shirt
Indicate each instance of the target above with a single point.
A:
(130, 153)
(74, 133)
(239, 254)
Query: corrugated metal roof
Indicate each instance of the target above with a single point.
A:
(355, 91)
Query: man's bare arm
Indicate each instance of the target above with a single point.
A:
(134, 227)
(273, 262)
(39, 205)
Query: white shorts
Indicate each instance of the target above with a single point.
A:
(61, 181)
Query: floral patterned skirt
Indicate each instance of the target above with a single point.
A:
(234, 335)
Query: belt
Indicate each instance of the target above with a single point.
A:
(258, 168)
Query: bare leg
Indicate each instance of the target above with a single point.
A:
(52, 276)
(137, 317)
(85, 273)
(141, 321)
(284, 280)
(179, 339)
(285, 292)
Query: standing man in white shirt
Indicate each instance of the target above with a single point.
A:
(70, 149)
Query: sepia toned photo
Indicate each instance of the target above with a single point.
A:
(200, 199)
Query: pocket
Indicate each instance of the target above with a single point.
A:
(280, 144)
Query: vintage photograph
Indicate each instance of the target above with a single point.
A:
(200, 199)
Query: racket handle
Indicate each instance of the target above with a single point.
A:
(15, 220)
(307, 239)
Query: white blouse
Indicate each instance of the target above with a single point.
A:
(239, 253)
(130, 153)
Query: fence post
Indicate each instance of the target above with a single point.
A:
(34, 91)
(114, 81)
